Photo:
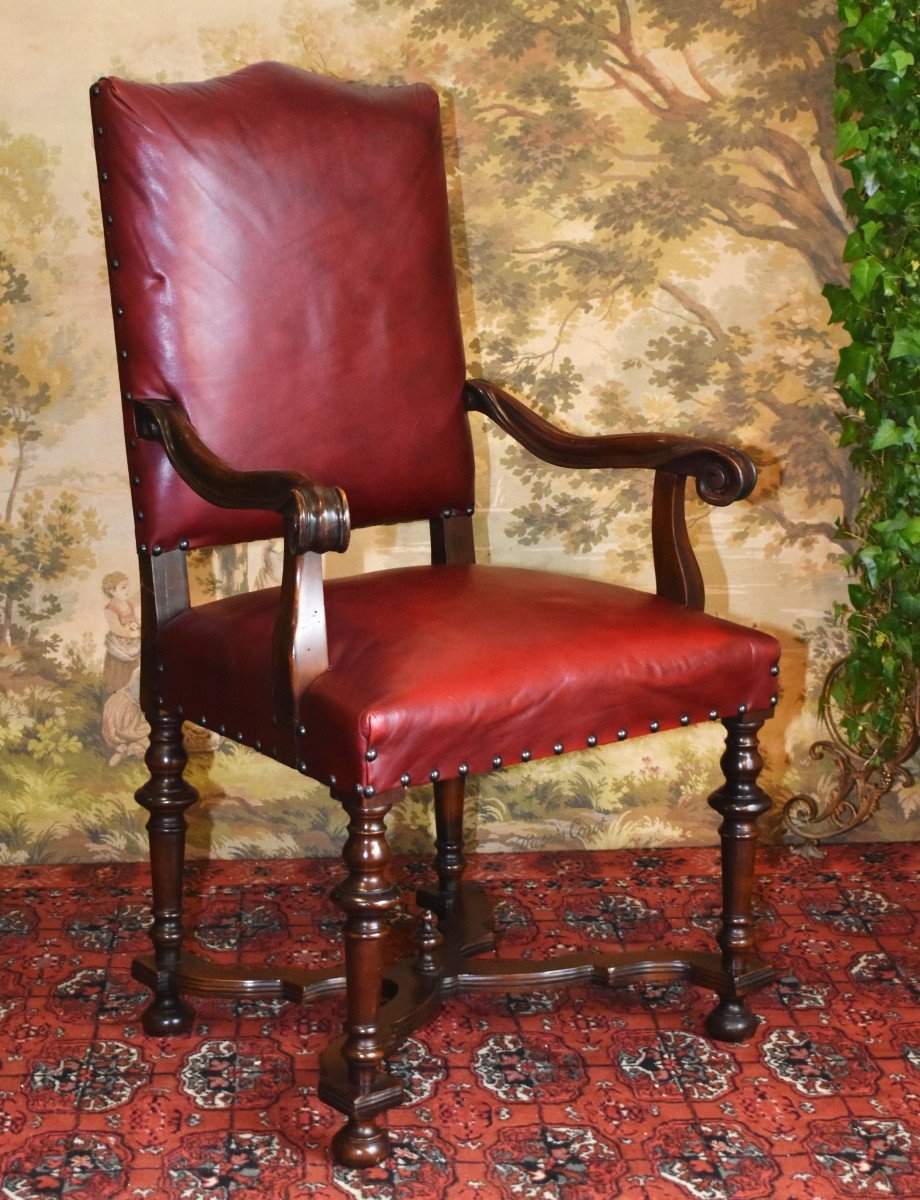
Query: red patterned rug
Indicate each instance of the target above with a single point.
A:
(578, 1095)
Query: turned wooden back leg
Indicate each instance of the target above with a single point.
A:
(449, 863)
(166, 796)
(448, 819)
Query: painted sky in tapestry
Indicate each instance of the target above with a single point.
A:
(645, 208)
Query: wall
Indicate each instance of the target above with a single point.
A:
(645, 210)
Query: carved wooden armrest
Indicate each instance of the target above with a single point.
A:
(722, 473)
(316, 520)
(315, 517)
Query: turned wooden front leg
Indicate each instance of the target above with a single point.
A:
(166, 796)
(740, 802)
(365, 895)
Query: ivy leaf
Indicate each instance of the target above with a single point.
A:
(850, 138)
(865, 558)
(910, 603)
(849, 431)
(841, 302)
(856, 367)
(863, 275)
(905, 343)
(854, 247)
(860, 597)
(870, 29)
(879, 201)
(888, 434)
(842, 103)
(895, 59)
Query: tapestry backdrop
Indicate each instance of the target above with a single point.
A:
(645, 208)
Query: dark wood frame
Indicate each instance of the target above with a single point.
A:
(387, 996)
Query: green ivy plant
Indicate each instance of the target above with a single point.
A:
(877, 107)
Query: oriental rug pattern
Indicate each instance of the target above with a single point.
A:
(579, 1095)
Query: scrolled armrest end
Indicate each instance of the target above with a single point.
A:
(317, 518)
(726, 478)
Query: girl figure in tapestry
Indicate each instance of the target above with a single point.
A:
(124, 726)
(123, 639)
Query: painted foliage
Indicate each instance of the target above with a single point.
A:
(645, 208)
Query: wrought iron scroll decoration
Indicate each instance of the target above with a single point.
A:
(861, 781)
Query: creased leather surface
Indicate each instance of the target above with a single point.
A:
(432, 667)
(285, 271)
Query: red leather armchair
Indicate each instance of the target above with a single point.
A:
(287, 332)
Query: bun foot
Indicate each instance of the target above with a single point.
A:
(731, 1021)
(167, 1016)
(360, 1144)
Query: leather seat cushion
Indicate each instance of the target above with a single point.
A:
(433, 667)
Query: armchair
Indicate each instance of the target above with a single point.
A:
(287, 333)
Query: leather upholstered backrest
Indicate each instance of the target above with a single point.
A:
(280, 262)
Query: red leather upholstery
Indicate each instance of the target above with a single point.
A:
(431, 667)
(259, 278)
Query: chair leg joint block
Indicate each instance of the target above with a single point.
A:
(337, 1090)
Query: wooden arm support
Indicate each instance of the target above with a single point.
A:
(315, 517)
(722, 476)
(316, 520)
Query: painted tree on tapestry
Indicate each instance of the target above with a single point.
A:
(621, 149)
(49, 704)
(44, 538)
